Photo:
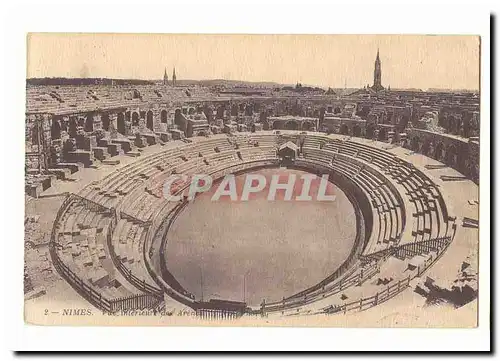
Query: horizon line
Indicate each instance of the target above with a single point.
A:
(247, 81)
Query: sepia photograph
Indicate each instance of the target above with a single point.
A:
(230, 189)
(206, 177)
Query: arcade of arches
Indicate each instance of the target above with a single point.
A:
(193, 120)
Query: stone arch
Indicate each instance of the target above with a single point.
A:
(451, 155)
(443, 120)
(382, 134)
(249, 109)
(135, 119)
(64, 124)
(208, 111)
(344, 129)
(180, 120)
(467, 124)
(291, 125)
(363, 113)
(276, 125)
(438, 152)
(55, 129)
(234, 110)
(475, 172)
(191, 111)
(356, 131)
(321, 117)
(370, 130)
(81, 121)
(451, 123)
(388, 118)
(89, 123)
(404, 121)
(307, 125)
(189, 129)
(34, 133)
(460, 159)
(458, 125)
(105, 121)
(426, 147)
(72, 127)
(220, 112)
(164, 116)
(177, 113)
(415, 144)
(149, 120)
(262, 117)
(120, 123)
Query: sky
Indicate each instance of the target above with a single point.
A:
(408, 61)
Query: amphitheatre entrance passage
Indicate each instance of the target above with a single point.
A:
(259, 249)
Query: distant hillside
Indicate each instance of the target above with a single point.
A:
(230, 83)
(445, 90)
(86, 81)
(185, 82)
(209, 83)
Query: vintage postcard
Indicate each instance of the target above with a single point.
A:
(257, 180)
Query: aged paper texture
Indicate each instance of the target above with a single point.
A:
(257, 180)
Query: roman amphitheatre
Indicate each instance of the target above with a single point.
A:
(402, 233)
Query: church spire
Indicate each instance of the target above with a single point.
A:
(165, 77)
(377, 74)
(174, 78)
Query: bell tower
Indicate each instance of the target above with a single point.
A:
(377, 74)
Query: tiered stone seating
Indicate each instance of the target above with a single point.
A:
(88, 98)
(125, 179)
(430, 221)
(81, 246)
(316, 141)
(387, 211)
(209, 146)
(422, 194)
(373, 155)
(128, 243)
(394, 188)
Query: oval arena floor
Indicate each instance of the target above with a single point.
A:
(224, 246)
